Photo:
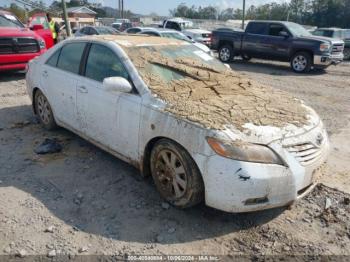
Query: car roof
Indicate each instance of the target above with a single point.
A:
(271, 21)
(161, 30)
(329, 28)
(132, 40)
(197, 31)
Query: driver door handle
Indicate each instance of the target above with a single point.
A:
(82, 89)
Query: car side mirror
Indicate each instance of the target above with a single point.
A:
(117, 84)
(283, 34)
(37, 27)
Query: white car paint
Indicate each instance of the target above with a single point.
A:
(124, 123)
(196, 35)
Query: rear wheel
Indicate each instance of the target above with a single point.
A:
(43, 111)
(175, 174)
(301, 62)
(226, 53)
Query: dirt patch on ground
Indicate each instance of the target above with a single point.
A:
(212, 97)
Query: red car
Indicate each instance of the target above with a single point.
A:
(18, 44)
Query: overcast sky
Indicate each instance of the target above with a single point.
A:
(162, 7)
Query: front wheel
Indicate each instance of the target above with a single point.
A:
(226, 53)
(301, 62)
(176, 175)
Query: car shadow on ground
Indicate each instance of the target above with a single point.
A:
(12, 76)
(94, 192)
(273, 68)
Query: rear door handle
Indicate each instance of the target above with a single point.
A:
(82, 89)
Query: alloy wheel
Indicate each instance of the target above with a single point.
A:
(44, 110)
(171, 174)
(299, 63)
(225, 54)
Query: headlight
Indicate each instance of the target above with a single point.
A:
(244, 151)
(42, 44)
(324, 47)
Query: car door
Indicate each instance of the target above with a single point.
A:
(278, 46)
(109, 118)
(59, 80)
(253, 42)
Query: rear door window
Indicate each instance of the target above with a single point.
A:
(52, 61)
(70, 57)
(257, 28)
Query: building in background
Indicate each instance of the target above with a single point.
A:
(79, 16)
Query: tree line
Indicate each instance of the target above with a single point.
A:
(321, 13)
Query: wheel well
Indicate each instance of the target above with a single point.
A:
(225, 42)
(303, 50)
(33, 98)
(146, 168)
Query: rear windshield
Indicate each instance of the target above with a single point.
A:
(106, 31)
(176, 36)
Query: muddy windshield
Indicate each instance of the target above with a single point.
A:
(163, 67)
(198, 87)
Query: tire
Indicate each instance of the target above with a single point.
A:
(347, 53)
(301, 62)
(44, 111)
(226, 53)
(246, 57)
(176, 175)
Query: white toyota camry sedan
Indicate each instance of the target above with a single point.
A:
(201, 130)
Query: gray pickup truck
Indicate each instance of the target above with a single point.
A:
(281, 41)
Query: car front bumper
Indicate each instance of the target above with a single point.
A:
(326, 60)
(237, 186)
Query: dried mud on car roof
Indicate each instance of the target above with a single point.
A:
(216, 98)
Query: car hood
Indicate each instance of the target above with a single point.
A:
(220, 100)
(322, 39)
(268, 134)
(20, 32)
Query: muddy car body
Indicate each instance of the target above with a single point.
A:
(235, 166)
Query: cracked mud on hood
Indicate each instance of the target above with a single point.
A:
(201, 89)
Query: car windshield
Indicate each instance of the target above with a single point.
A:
(175, 36)
(298, 30)
(8, 20)
(172, 55)
(106, 31)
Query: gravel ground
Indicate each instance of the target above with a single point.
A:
(84, 201)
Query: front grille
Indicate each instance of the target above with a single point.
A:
(306, 153)
(18, 45)
(337, 48)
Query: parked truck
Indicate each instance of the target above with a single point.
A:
(281, 41)
(333, 32)
(18, 44)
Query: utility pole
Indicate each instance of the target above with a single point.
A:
(122, 8)
(243, 17)
(65, 17)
